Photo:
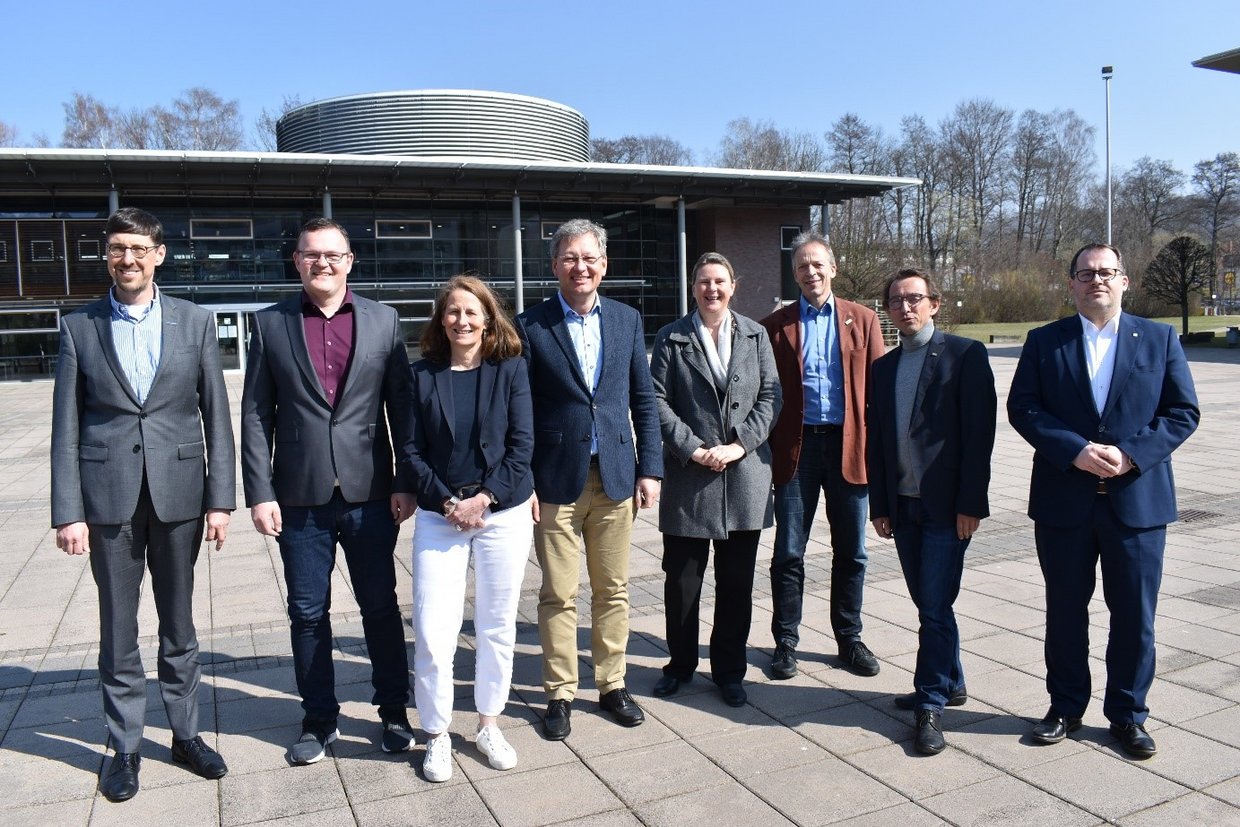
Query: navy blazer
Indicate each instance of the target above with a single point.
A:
(564, 408)
(953, 427)
(1151, 409)
(294, 443)
(506, 434)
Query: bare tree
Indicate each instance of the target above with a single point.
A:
(1218, 193)
(1032, 143)
(201, 119)
(1149, 192)
(265, 125)
(976, 140)
(857, 226)
(88, 123)
(8, 134)
(656, 150)
(1180, 269)
(760, 145)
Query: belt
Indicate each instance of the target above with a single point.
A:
(467, 491)
(822, 429)
(1102, 486)
(594, 459)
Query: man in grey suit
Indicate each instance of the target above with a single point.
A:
(326, 373)
(142, 448)
(593, 403)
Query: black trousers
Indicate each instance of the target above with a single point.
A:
(684, 563)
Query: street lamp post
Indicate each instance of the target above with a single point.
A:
(1107, 71)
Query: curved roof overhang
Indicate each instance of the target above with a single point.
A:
(274, 173)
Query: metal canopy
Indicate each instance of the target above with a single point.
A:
(1223, 62)
(34, 171)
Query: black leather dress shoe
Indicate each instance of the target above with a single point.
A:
(622, 707)
(199, 757)
(1134, 739)
(859, 659)
(909, 701)
(733, 694)
(1053, 728)
(120, 782)
(556, 723)
(929, 740)
(784, 662)
(668, 686)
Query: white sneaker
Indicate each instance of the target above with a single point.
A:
(495, 747)
(437, 765)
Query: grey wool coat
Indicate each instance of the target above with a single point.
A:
(696, 501)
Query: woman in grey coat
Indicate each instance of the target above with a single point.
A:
(718, 392)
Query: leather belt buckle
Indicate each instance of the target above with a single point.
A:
(1102, 486)
(467, 491)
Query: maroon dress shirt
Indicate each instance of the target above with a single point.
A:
(330, 343)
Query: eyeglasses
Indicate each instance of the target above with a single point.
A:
(571, 261)
(139, 250)
(1086, 276)
(912, 300)
(331, 258)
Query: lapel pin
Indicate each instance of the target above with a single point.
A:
(848, 321)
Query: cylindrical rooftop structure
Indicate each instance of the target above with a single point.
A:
(438, 122)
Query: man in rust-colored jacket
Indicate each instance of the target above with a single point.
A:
(824, 346)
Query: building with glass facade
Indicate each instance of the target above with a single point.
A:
(231, 221)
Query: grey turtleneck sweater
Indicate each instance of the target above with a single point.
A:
(908, 372)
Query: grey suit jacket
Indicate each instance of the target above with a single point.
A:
(294, 445)
(103, 440)
(696, 501)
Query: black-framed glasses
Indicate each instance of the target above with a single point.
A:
(1086, 276)
(139, 251)
(912, 300)
(571, 261)
(331, 258)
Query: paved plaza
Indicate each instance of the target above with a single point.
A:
(824, 747)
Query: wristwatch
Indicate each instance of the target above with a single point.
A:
(450, 504)
(491, 497)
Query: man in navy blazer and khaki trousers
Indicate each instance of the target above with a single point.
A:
(326, 373)
(1104, 398)
(592, 396)
(142, 454)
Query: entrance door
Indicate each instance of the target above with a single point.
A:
(228, 329)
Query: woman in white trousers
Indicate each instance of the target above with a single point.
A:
(468, 454)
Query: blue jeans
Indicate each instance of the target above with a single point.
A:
(932, 557)
(820, 468)
(308, 547)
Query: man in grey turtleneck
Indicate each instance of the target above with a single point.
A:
(931, 431)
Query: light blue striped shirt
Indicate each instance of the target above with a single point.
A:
(586, 333)
(137, 335)
(823, 375)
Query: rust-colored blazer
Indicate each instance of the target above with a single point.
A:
(861, 342)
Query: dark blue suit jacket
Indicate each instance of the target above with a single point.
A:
(1151, 409)
(564, 408)
(506, 436)
(953, 426)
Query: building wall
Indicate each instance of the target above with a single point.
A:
(751, 238)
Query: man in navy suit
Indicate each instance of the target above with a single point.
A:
(931, 432)
(592, 396)
(1104, 398)
(326, 373)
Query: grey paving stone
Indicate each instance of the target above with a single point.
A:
(822, 792)
(1194, 808)
(640, 775)
(1006, 800)
(289, 791)
(732, 805)
(543, 796)
(185, 805)
(1111, 788)
(920, 776)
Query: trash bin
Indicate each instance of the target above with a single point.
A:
(1233, 337)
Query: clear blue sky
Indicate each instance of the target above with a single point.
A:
(683, 69)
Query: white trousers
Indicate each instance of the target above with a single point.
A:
(440, 564)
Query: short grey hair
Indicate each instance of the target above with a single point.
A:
(812, 237)
(576, 227)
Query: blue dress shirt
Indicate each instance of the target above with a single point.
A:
(823, 373)
(137, 336)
